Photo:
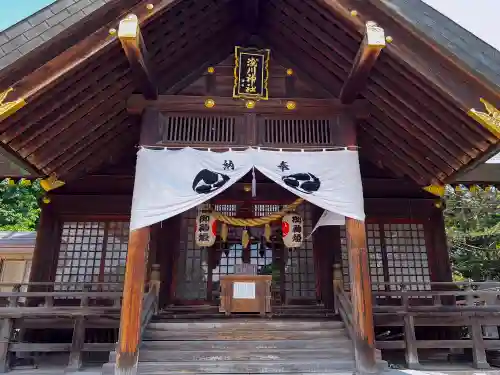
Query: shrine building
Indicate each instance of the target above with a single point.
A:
(250, 186)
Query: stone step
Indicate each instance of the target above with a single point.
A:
(330, 344)
(242, 355)
(223, 334)
(254, 325)
(241, 367)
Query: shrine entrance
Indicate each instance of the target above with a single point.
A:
(199, 269)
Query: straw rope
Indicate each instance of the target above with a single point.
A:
(259, 221)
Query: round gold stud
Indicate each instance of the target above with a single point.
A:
(112, 31)
(209, 103)
(388, 39)
(291, 105)
(250, 104)
(46, 200)
(289, 72)
(211, 70)
(354, 13)
(149, 6)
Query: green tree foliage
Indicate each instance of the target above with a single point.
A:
(19, 205)
(472, 219)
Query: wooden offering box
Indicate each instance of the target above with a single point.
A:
(245, 293)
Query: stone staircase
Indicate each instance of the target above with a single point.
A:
(244, 345)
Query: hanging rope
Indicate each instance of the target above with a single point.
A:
(259, 221)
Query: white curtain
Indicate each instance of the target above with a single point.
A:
(169, 182)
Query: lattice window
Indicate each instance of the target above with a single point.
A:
(303, 132)
(397, 254)
(92, 252)
(260, 209)
(407, 255)
(300, 278)
(192, 129)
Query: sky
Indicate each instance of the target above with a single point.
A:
(19, 10)
(480, 17)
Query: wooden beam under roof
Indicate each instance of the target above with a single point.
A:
(368, 53)
(129, 33)
(35, 83)
(213, 104)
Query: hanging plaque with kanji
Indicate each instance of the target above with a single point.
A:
(251, 73)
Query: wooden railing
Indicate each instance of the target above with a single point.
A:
(76, 306)
(150, 304)
(475, 306)
(453, 305)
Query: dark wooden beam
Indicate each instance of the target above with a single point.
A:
(277, 106)
(129, 33)
(251, 11)
(371, 46)
(44, 77)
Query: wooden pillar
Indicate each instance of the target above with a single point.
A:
(361, 297)
(133, 293)
(324, 244)
(46, 245)
(441, 253)
(168, 248)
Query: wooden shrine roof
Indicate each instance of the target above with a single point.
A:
(77, 83)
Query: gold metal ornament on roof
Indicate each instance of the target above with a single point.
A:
(437, 190)
(489, 119)
(8, 108)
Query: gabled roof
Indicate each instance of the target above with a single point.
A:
(77, 83)
(459, 44)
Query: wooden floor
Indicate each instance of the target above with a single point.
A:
(200, 341)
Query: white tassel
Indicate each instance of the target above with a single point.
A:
(254, 184)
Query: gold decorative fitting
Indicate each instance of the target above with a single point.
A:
(250, 104)
(128, 27)
(112, 31)
(389, 39)
(51, 183)
(374, 35)
(437, 190)
(211, 70)
(8, 108)
(291, 105)
(150, 6)
(209, 103)
(247, 188)
(490, 120)
(289, 72)
(354, 13)
(46, 200)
